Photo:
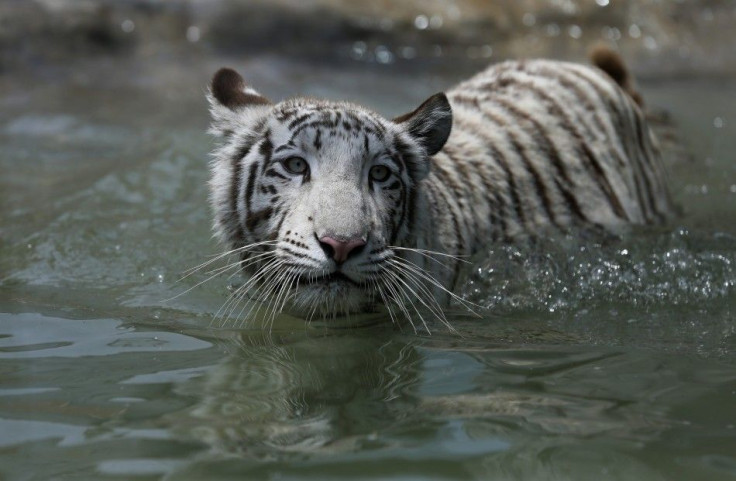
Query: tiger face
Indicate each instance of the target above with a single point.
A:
(316, 196)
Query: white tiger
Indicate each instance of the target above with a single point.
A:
(334, 209)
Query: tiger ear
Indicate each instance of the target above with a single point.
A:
(232, 103)
(229, 89)
(430, 124)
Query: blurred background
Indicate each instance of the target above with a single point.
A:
(659, 37)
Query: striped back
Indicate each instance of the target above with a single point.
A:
(539, 146)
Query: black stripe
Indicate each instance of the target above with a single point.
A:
(297, 254)
(325, 123)
(274, 173)
(250, 187)
(494, 202)
(410, 209)
(299, 120)
(548, 147)
(405, 156)
(643, 140)
(591, 163)
(541, 188)
(266, 149)
(255, 218)
(459, 244)
(396, 228)
(618, 116)
(393, 185)
(236, 183)
(286, 146)
(502, 162)
(274, 235)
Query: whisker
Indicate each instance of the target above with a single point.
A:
(271, 274)
(395, 294)
(430, 253)
(242, 290)
(221, 270)
(408, 298)
(431, 303)
(217, 272)
(418, 271)
(285, 282)
(384, 298)
(192, 270)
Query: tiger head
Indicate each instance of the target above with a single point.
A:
(314, 195)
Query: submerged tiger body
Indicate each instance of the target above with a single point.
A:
(334, 209)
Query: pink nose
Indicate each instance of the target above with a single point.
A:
(340, 250)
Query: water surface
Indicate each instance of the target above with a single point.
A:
(605, 360)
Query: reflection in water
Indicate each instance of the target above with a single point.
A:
(384, 396)
(302, 394)
(310, 404)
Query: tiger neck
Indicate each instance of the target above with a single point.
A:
(431, 232)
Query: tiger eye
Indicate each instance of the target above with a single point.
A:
(296, 165)
(379, 173)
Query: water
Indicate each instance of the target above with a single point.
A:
(593, 360)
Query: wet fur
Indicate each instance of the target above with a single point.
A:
(521, 149)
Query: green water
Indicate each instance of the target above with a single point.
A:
(591, 361)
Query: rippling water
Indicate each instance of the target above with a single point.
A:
(607, 360)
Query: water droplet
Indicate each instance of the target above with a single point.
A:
(732, 188)
(718, 122)
(602, 3)
(193, 34)
(634, 31)
(383, 55)
(486, 51)
(575, 31)
(436, 21)
(127, 25)
(650, 43)
(358, 50)
(529, 19)
(421, 22)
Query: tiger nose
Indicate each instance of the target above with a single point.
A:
(341, 250)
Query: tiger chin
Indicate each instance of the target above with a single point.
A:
(333, 209)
